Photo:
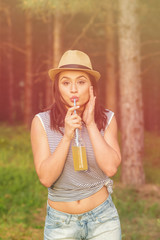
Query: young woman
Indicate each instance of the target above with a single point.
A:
(79, 203)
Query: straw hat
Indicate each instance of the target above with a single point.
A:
(74, 60)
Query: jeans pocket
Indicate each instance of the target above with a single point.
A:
(109, 214)
(53, 221)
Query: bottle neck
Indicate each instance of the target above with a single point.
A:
(78, 141)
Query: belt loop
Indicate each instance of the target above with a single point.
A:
(68, 219)
(48, 208)
(110, 201)
(91, 214)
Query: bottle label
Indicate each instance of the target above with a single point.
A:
(79, 158)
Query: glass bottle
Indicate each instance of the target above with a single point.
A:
(79, 152)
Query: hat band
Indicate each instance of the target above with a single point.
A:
(75, 66)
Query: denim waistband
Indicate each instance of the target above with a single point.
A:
(87, 215)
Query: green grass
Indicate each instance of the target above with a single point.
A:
(21, 193)
(152, 158)
(23, 198)
(139, 211)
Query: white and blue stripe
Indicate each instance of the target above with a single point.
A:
(73, 185)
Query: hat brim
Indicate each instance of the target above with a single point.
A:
(53, 72)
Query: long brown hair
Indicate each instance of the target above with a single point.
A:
(58, 110)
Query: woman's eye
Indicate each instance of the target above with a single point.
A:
(66, 83)
(81, 82)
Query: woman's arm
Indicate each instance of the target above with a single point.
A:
(106, 149)
(49, 166)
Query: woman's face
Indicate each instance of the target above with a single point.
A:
(74, 84)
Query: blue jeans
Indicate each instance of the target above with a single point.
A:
(101, 223)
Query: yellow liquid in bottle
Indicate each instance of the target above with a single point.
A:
(79, 158)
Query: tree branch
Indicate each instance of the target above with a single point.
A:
(146, 70)
(69, 20)
(14, 47)
(150, 42)
(7, 14)
(150, 55)
(84, 30)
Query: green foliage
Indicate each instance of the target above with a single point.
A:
(21, 192)
(151, 158)
(62, 6)
(23, 198)
(139, 212)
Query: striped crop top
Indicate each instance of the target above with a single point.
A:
(73, 185)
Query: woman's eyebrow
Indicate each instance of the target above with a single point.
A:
(64, 77)
(82, 76)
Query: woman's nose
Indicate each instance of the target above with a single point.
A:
(73, 87)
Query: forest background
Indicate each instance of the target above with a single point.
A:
(86, 29)
(33, 36)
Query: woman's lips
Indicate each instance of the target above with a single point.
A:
(74, 97)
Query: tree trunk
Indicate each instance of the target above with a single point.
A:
(1, 68)
(48, 83)
(154, 108)
(28, 79)
(10, 75)
(131, 106)
(111, 83)
(152, 98)
(57, 42)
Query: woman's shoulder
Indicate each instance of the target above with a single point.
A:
(44, 118)
(109, 115)
(43, 114)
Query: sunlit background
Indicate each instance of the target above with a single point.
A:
(28, 43)
(33, 36)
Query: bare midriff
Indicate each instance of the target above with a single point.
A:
(81, 206)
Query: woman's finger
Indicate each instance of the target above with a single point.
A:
(75, 116)
(91, 102)
(91, 93)
(76, 121)
(78, 126)
(72, 119)
(71, 110)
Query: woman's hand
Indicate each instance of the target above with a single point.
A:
(88, 114)
(72, 121)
